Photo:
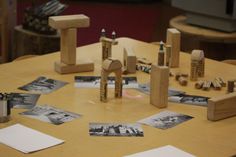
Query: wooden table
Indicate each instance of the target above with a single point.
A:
(197, 136)
(217, 44)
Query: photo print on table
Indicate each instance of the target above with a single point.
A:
(145, 88)
(50, 114)
(115, 129)
(43, 85)
(189, 99)
(165, 119)
(94, 82)
(23, 100)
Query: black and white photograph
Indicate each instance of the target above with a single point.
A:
(189, 99)
(115, 129)
(145, 88)
(50, 114)
(43, 85)
(23, 100)
(165, 120)
(94, 82)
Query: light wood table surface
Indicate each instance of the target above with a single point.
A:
(197, 136)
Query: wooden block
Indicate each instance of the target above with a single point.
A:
(183, 81)
(221, 107)
(80, 66)
(199, 84)
(198, 56)
(69, 21)
(159, 86)
(68, 46)
(129, 60)
(168, 55)
(173, 39)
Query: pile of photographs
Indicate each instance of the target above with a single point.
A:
(43, 85)
(23, 100)
(94, 82)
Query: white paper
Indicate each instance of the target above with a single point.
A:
(26, 139)
(165, 151)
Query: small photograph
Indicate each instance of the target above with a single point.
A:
(145, 88)
(50, 114)
(190, 99)
(23, 100)
(43, 85)
(115, 129)
(165, 120)
(94, 82)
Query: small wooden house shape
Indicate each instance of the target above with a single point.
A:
(111, 65)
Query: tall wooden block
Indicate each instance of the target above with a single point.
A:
(221, 107)
(159, 86)
(173, 39)
(129, 60)
(68, 46)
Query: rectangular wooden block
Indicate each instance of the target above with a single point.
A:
(68, 46)
(221, 107)
(159, 86)
(173, 39)
(130, 60)
(69, 21)
(80, 66)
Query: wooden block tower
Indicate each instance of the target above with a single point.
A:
(107, 44)
(111, 65)
(173, 39)
(68, 25)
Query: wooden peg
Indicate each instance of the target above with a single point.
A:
(230, 86)
(199, 84)
(206, 85)
(221, 107)
(161, 55)
(159, 86)
(173, 39)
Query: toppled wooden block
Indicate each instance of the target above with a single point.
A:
(221, 107)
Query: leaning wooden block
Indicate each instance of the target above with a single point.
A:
(159, 86)
(173, 39)
(69, 21)
(129, 60)
(221, 107)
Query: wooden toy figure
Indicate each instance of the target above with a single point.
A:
(107, 44)
(111, 65)
(68, 25)
(197, 64)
